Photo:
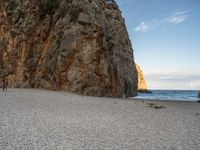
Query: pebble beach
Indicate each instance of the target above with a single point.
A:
(40, 119)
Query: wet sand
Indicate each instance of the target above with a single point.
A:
(41, 119)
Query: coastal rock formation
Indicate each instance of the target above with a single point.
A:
(199, 94)
(80, 46)
(142, 84)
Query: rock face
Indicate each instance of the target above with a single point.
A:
(80, 46)
(142, 84)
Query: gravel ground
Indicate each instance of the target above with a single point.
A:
(47, 120)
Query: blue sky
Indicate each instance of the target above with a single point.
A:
(165, 35)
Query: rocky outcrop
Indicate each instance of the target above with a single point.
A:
(142, 84)
(80, 46)
(199, 94)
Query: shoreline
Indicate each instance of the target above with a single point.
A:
(158, 100)
(127, 98)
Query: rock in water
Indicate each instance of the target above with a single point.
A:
(199, 94)
(80, 46)
(142, 84)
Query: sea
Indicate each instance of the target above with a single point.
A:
(171, 95)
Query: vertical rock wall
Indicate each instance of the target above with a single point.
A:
(80, 46)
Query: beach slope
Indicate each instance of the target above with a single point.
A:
(41, 119)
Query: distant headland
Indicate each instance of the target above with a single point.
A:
(142, 84)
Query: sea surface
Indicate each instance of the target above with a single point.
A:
(174, 95)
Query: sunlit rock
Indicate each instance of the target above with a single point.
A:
(142, 84)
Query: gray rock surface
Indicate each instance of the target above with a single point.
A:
(80, 46)
(38, 119)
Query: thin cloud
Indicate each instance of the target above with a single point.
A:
(142, 27)
(195, 85)
(147, 26)
(176, 18)
(187, 79)
(179, 75)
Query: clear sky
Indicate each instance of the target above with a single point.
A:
(165, 35)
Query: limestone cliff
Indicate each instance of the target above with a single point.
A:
(80, 46)
(142, 84)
